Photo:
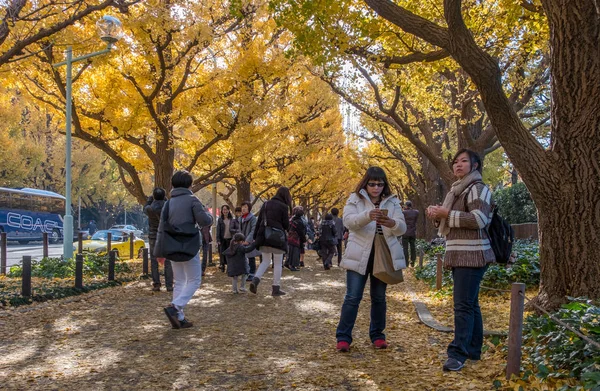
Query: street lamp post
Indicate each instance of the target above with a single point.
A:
(110, 29)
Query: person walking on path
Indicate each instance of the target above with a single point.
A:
(275, 215)
(248, 227)
(328, 240)
(462, 219)
(92, 227)
(365, 221)
(408, 239)
(224, 234)
(153, 210)
(206, 243)
(236, 261)
(296, 240)
(183, 210)
(339, 233)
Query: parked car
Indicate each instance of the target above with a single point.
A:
(119, 242)
(129, 228)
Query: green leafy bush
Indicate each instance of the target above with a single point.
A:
(93, 266)
(526, 269)
(515, 204)
(553, 352)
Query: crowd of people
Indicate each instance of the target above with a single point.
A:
(373, 241)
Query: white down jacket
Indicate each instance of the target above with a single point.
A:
(362, 231)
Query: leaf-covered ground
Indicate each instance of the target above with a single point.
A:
(119, 338)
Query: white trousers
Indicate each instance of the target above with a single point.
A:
(266, 262)
(187, 278)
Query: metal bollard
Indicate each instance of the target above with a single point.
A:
(26, 277)
(79, 271)
(145, 261)
(109, 242)
(45, 245)
(131, 237)
(3, 253)
(439, 273)
(111, 265)
(515, 329)
(80, 243)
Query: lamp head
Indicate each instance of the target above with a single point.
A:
(110, 29)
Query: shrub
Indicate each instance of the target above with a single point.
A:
(515, 204)
(93, 266)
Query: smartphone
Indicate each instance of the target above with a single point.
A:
(384, 212)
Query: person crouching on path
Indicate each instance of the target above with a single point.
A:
(365, 221)
(274, 214)
(237, 265)
(184, 209)
(462, 219)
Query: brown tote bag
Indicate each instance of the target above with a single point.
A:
(383, 266)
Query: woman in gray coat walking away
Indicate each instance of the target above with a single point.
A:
(184, 209)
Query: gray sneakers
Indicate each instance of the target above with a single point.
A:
(453, 364)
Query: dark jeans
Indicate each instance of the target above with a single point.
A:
(154, 268)
(327, 251)
(406, 242)
(468, 324)
(252, 264)
(355, 286)
(339, 250)
(222, 247)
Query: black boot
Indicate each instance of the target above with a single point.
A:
(277, 291)
(254, 284)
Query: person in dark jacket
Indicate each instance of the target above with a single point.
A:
(296, 240)
(206, 242)
(248, 226)
(185, 209)
(275, 214)
(408, 239)
(224, 234)
(328, 240)
(92, 227)
(153, 210)
(339, 233)
(236, 261)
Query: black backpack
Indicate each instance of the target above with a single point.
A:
(500, 233)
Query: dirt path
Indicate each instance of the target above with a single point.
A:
(120, 339)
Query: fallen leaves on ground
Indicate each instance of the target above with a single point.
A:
(122, 340)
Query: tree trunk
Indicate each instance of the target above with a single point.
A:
(243, 188)
(164, 167)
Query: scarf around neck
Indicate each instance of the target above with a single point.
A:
(457, 188)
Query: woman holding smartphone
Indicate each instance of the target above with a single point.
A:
(374, 218)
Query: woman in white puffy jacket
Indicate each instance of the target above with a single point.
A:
(365, 218)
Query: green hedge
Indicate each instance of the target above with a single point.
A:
(93, 266)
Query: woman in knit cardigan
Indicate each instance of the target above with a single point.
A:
(462, 219)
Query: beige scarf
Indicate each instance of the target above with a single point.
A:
(457, 188)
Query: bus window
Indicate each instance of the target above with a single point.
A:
(20, 201)
(4, 200)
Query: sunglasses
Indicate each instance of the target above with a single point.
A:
(378, 184)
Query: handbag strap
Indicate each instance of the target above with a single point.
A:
(264, 213)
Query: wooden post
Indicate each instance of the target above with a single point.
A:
(108, 243)
(79, 271)
(45, 245)
(145, 261)
(210, 255)
(80, 241)
(111, 265)
(515, 329)
(439, 273)
(131, 238)
(421, 258)
(26, 277)
(3, 253)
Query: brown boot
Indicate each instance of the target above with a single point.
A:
(277, 291)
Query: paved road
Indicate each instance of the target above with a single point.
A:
(15, 252)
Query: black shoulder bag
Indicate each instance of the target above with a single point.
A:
(274, 237)
(179, 243)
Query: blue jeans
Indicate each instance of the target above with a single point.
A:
(468, 324)
(355, 286)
